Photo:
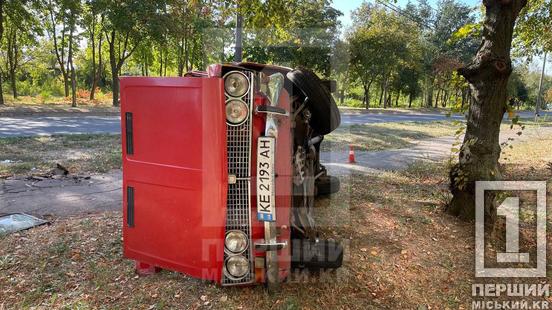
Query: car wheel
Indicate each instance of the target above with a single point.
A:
(327, 185)
(325, 114)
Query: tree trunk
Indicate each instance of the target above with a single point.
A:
(381, 95)
(94, 81)
(410, 98)
(146, 64)
(187, 54)
(166, 63)
(114, 71)
(367, 94)
(488, 75)
(59, 48)
(115, 86)
(117, 62)
(539, 94)
(445, 99)
(1, 92)
(1, 37)
(72, 69)
(160, 62)
(397, 99)
(13, 84)
(385, 98)
(99, 78)
(12, 60)
(94, 69)
(181, 57)
(429, 92)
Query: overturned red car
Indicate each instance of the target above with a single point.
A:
(220, 172)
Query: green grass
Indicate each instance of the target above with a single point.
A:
(78, 153)
(382, 136)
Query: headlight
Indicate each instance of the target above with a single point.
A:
(236, 111)
(236, 84)
(236, 241)
(237, 266)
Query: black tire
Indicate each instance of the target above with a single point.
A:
(316, 255)
(325, 114)
(327, 185)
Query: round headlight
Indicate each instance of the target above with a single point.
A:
(236, 84)
(236, 111)
(237, 266)
(236, 241)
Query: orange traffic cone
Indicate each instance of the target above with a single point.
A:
(351, 155)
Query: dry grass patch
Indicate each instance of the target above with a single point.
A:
(382, 136)
(78, 153)
(30, 107)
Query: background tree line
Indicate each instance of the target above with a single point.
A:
(388, 57)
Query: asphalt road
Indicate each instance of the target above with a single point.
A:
(56, 125)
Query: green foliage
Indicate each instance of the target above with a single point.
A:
(533, 32)
(411, 56)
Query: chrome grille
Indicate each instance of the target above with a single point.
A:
(238, 215)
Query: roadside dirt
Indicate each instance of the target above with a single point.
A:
(62, 196)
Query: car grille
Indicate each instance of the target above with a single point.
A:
(238, 215)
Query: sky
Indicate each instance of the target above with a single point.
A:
(347, 6)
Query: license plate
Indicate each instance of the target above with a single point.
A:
(265, 180)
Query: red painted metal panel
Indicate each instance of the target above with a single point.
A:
(178, 170)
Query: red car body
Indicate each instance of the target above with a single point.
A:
(177, 196)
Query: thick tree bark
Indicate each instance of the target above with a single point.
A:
(488, 76)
